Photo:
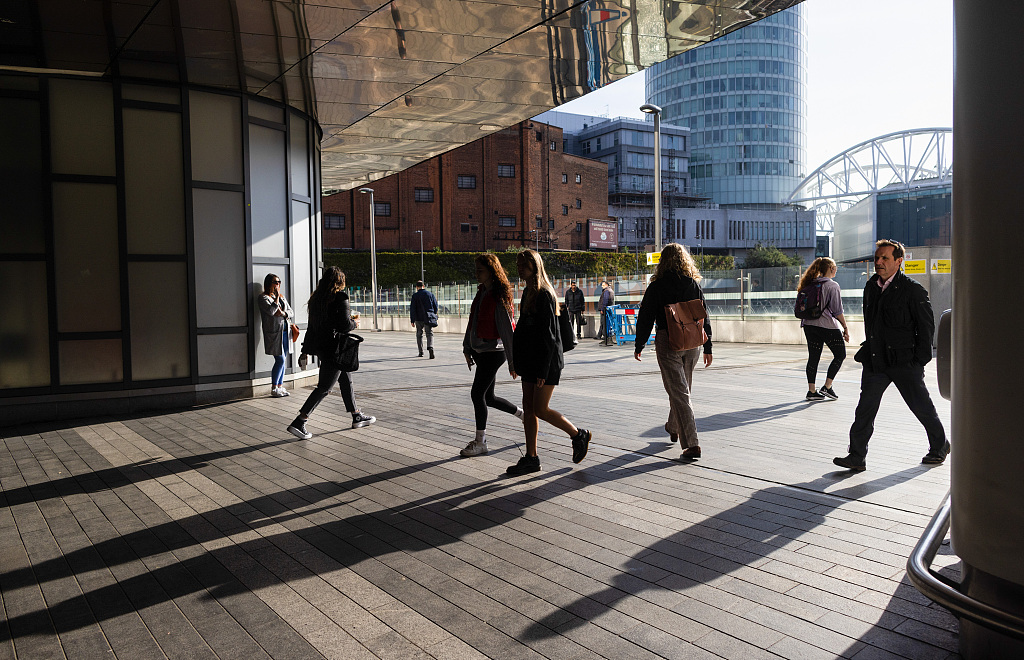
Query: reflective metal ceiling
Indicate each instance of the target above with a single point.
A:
(390, 84)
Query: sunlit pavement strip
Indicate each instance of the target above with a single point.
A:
(214, 533)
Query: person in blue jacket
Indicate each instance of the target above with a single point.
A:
(423, 315)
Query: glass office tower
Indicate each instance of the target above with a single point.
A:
(743, 96)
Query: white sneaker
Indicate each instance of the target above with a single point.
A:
(276, 392)
(474, 448)
(519, 413)
(283, 392)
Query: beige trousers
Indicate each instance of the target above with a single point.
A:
(677, 375)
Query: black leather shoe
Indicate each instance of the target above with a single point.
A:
(850, 463)
(936, 459)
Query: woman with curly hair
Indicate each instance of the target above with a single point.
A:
(537, 349)
(487, 344)
(329, 316)
(824, 330)
(674, 280)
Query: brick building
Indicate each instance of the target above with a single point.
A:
(513, 187)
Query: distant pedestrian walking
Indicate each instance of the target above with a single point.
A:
(675, 280)
(329, 316)
(537, 349)
(487, 344)
(276, 314)
(824, 330)
(575, 303)
(898, 326)
(423, 315)
(606, 300)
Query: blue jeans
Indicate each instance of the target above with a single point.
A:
(277, 373)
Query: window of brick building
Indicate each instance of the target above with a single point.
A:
(565, 209)
(507, 171)
(464, 227)
(565, 178)
(579, 178)
(334, 221)
(467, 181)
(506, 221)
(540, 221)
(579, 226)
(579, 203)
(424, 194)
(553, 146)
(551, 224)
(382, 208)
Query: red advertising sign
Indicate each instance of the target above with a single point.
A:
(604, 234)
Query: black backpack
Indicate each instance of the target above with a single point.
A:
(808, 302)
(565, 330)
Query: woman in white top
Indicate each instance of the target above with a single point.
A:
(824, 330)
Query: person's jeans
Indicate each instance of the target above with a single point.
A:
(482, 394)
(577, 318)
(277, 373)
(329, 375)
(817, 339)
(909, 380)
(422, 327)
(677, 375)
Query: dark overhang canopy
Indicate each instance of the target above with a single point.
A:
(390, 84)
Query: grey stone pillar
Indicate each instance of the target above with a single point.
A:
(988, 237)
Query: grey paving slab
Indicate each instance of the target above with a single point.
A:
(212, 532)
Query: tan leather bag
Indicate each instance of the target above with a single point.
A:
(685, 322)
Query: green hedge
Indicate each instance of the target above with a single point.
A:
(403, 268)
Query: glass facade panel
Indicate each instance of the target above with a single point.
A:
(158, 299)
(223, 354)
(215, 133)
(25, 347)
(266, 111)
(219, 234)
(154, 203)
(86, 254)
(269, 209)
(21, 215)
(152, 93)
(301, 285)
(299, 153)
(75, 104)
(90, 361)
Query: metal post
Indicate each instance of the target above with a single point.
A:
(422, 277)
(743, 305)
(656, 111)
(373, 258)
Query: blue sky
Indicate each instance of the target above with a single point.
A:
(874, 67)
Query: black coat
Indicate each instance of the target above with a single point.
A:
(574, 300)
(898, 324)
(323, 327)
(537, 342)
(671, 288)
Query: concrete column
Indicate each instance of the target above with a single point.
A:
(988, 239)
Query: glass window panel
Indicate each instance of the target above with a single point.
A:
(266, 111)
(86, 257)
(223, 354)
(24, 325)
(21, 214)
(215, 131)
(299, 153)
(28, 83)
(157, 292)
(153, 182)
(218, 222)
(90, 361)
(151, 93)
(269, 197)
(302, 260)
(77, 105)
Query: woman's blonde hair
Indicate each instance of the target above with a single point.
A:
(675, 259)
(818, 268)
(535, 283)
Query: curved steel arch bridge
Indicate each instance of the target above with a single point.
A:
(900, 160)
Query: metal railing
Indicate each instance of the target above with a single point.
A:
(946, 592)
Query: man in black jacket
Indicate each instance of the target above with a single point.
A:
(898, 326)
(574, 304)
(423, 315)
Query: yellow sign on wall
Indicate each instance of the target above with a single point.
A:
(915, 267)
(653, 258)
(942, 266)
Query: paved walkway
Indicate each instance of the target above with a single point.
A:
(214, 533)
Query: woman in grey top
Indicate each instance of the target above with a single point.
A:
(824, 330)
(276, 313)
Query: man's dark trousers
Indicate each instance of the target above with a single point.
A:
(909, 380)
(577, 318)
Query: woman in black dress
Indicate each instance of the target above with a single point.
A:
(537, 352)
(329, 313)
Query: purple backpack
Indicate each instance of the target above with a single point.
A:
(808, 302)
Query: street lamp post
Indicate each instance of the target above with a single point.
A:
(422, 278)
(373, 258)
(652, 109)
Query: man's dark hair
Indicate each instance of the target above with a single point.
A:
(897, 247)
(419, 284)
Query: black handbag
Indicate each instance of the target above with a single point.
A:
(346, 352)
(565, 331)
